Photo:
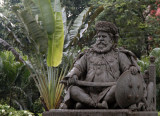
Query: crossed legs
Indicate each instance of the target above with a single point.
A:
(79, 95)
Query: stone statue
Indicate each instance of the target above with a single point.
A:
(98, 74)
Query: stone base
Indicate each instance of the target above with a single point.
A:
(97, 112)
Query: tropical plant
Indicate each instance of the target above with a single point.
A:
(43, 23)
(74, 8)
(50, 31)
(15, 82)
(130, 19)
(6, 110)
(79, 33)
(144, 63)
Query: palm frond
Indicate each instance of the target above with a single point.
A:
(78, 23)
(36, 33)
(32, 6)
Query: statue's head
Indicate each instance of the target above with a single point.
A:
(106, 37)
(109, 28)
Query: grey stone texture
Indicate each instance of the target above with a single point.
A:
(95, 112)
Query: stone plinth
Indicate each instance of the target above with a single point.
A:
(97, 112)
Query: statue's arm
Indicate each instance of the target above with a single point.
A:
(127, 64)
(79, 68)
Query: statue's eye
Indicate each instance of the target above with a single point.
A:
(103, 36)
(99, 36)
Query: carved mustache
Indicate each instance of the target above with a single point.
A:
(101, 42)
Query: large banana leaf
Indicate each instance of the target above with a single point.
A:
(51, 19)
(53, 23)
(47, 15)
(76, 30)
(78, 22)
(31, 6)
(55, 42)
(38, 35)
(64, 17)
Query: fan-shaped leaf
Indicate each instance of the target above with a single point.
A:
(55, 42)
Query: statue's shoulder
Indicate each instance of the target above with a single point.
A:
(85, 52)
(126, 52)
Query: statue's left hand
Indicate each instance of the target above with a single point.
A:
(133, 70)
(72, 80)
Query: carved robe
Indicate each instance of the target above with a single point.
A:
(99, 67)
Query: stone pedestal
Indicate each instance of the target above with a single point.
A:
(97, 112)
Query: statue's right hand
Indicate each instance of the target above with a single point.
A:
(72, 80)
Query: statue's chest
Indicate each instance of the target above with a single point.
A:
(103, 61)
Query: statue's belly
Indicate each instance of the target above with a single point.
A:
(103, 76)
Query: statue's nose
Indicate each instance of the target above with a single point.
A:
(101, 38)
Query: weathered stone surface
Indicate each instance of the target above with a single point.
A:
(92, 112)
(129, 89)
(146, 113)
(92, 82)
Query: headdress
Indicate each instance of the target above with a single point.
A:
(107, 27)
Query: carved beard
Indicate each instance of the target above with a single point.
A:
(102, 47)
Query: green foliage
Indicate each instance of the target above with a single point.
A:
(47, 15)
(10, 66)
(144, 63)
(12, 71)
(77, 35)
(50, 87)
(47, 26)
(129, 17)
(44, 25)
(53, 25)
(74, 8)
(6, 110)
(156, 53)
(40, 23)
(16, 88)
(78, 22)
(37, 107)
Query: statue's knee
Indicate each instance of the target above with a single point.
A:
(74, 90)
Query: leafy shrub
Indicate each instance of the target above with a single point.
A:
(37, 107)
(6, 110)
(144, 63)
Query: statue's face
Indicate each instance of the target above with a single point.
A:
(103, 40)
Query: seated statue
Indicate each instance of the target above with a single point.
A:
(92, 82)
